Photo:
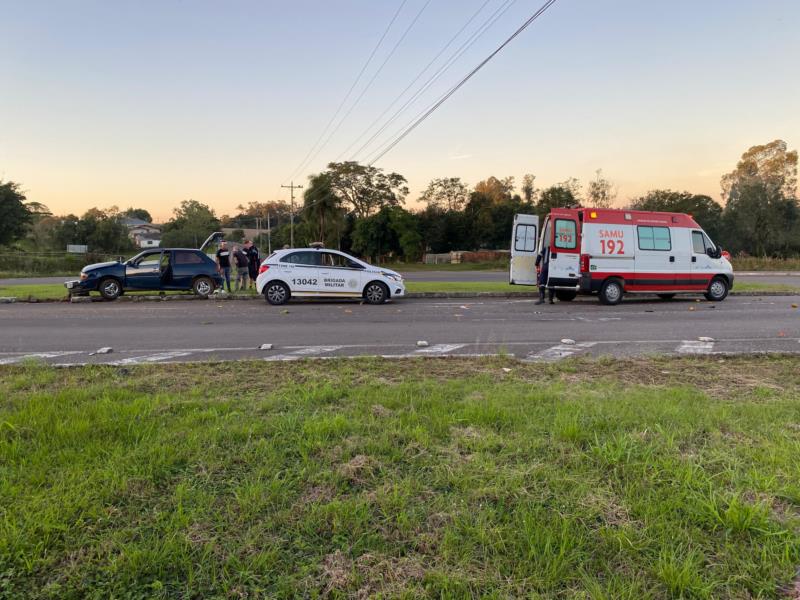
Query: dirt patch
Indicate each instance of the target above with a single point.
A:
(386, 575)
(359, 469)
(380, 411)
(337, 572)
(317, 494)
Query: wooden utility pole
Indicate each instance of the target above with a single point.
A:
(292, 187)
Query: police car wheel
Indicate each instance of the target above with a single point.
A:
(276, 293)
(376, 293)
(611, 292)
(717, 290)
(203, 286)
(110, 288)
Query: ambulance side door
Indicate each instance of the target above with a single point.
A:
(655, 261)
(523, 250)
(565, 250)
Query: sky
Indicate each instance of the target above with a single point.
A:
(147, 103)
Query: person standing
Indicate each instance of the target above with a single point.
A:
(543, 262)
(253, 260)
(224, 263)
(242, 264)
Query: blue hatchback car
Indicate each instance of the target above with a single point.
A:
(160, 269)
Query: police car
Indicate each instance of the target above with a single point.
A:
(323, 273)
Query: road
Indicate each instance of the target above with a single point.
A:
(188, 331)
(785, 278)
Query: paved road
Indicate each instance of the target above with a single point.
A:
(787, 278)
(178, 331)
(751, 277)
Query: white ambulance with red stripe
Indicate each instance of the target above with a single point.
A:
(613, 252)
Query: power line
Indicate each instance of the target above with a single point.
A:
(350, 91)
(455, 88)
(494, 17)
(370, 82)
(428, 66)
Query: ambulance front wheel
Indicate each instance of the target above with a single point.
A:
(611, 292)
(717, 289)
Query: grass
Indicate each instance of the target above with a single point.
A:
(653, 478)
(753, 263)
(58, 292)
(497, 265)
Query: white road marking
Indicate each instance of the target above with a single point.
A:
(695, 347)
(438, 349)
(558, 352)
(305, 352)
(135, 360)
(35, 355)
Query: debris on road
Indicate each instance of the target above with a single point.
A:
(568, 341)
(705, 339)
(103, 350)
(422, 344)
(8, 300)
(265, 347)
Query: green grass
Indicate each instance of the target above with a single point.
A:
(753, 263)
(498, 265)
(654, 478)
(58, 292)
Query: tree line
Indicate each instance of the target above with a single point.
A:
(360, 209)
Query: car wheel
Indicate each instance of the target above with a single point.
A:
(110, 288)
(376, 293)
(666, 296)
(203, 287)
(276, 293)
(717, 289)
(611, 292)
(566, 295)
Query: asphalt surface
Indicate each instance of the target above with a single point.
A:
(788, 278)
(201, 331)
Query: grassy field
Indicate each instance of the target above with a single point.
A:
(657, 478)
(58, 292)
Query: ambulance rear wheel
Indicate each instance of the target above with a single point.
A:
(566, 295)
(666, 296)
(611, 292)
(717, 289)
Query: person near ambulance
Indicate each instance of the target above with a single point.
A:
(543, 267)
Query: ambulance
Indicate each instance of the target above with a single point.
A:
(612, 252)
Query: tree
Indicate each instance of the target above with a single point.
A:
(14, 215)
(138, 213)
(601, 192)
(391, 231)
(497, 190)
(762, 215)
(704, 209)
(322, 209)
(449, 193)
(528, 187)
(760, 220)
(557, 196)
(191, 224)
(771, 164)
(366, 188)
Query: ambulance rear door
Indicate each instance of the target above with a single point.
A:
(565, 250)
(523, 250)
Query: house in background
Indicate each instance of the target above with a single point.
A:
(143, 234)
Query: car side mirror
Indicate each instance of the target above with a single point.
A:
(714, 252)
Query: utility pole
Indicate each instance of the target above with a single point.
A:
(269, 236)
(292, 187)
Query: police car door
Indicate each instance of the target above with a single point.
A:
(523, 250)
(303, 274)
(565, 250)
(339, 275)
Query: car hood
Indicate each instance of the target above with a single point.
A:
(102, 265)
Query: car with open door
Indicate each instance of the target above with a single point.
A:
(324, 273)
(158, 270)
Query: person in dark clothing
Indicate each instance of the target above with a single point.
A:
(224, 262)
(242, 268)
(543, 262)
(254, 260)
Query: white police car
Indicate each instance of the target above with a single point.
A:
(325, 273)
